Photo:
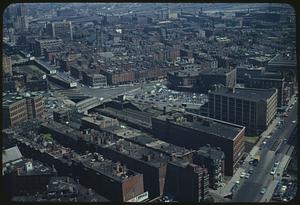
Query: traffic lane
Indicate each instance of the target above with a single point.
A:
(248, 192)
(284, 130)
(259, 177)
(262, 172)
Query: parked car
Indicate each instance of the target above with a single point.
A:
(263, 190)
(251, 170)
(273, 171)
(247, 176)
(243, 174)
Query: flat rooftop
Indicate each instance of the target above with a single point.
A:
(204, 125)
(106, 167)
(93, 161)
(283, 60)
(251, 94)
(188, 72)
(38, 169)
(113, 142)
(144, 139)
(211, 152)
(261, 58)
(218, 71)
(67, 184)
(140, 153)
(9, 98)
(97, 119)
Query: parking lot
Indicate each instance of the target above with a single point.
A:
(159, 94)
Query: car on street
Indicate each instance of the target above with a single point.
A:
(294, 121)
(264, 142)
(251, 170)
(273, 171)
(247, 176)
(268, 136)
(243, 174)
(276, 163)
(263, 190)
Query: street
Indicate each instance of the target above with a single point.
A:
(250, 189)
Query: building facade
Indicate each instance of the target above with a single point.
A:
(195, 131)
(42, 44)
(253, 108)
(94, 79)
(222, 76)
(266, 82)
(17, 109)
(61, 29)
(213, 159)
(6, 64)
(187, 182)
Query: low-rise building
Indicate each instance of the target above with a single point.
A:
(93, 79)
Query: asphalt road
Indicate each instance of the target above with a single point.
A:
(249, 190)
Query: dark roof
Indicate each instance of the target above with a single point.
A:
(218, 71)
(283, 60)
(186, 72)
(205, 125)
(250, 94)
(211, 152)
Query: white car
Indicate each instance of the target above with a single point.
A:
(273, 172)
(268, 136)
(243, 174)
(294, 121)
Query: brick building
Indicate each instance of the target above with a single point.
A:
(194, 131)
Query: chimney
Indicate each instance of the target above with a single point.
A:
(18, 171)
(173, 157)
(118, 167)
(29, 166)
